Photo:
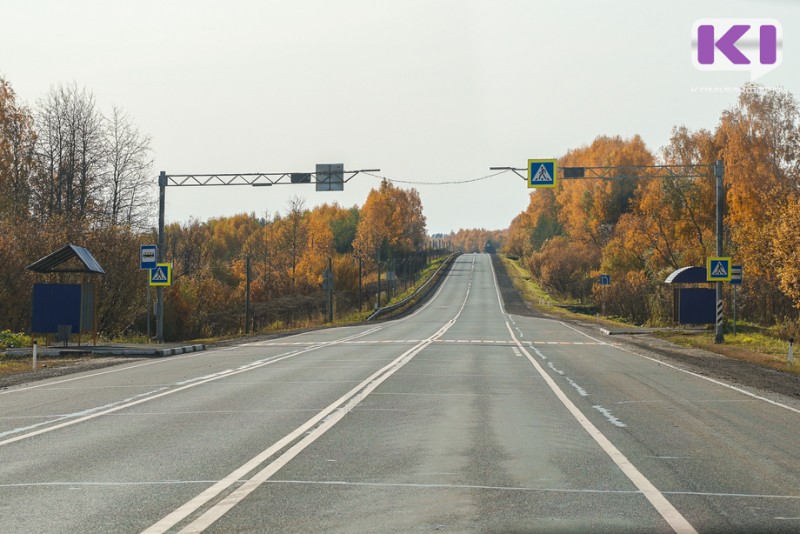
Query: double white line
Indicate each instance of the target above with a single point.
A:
(314, 427)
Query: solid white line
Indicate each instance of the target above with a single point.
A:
(712, 380)
(212, 378)
(660, 503)
(116, 369)
(524, 489)
(226, 504)
(497, 288)
(325, 419)
(101, 484)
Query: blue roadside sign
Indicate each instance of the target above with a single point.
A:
(161, 275)
(605, 279)
(718, 269)
(736, 275)
(147, 257)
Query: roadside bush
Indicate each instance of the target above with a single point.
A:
(9, 339)
(629, 296)
(565, 267)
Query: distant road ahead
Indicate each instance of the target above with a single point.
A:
(457, 418)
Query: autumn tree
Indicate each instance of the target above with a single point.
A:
(70, 153)
(760, 143)
(127, 187)
(17, 163)
(393, 216)
(786, 243)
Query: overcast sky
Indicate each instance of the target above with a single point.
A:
(424, 90)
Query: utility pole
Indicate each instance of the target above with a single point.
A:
(328, 177)
(719, 336)
(621, 172)
(379, 279)
(247, 299)
(359, 284)
(162, 186)
(330, 290)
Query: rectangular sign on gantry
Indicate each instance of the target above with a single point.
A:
(330, 177)
(147, 257)
(542, 173)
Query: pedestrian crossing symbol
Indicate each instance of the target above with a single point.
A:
(718, 269)
(161, 275)
(542, 173)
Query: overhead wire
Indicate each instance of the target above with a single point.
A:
(449, 182)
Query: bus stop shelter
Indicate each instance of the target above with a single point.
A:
(692, 305)
(66, 308)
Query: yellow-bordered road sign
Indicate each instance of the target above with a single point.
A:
(542, 173)
(718, 269)
(161, 275)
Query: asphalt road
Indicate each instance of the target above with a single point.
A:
(457, 418)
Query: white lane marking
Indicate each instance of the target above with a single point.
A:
(497, 290)
(101, 484)
(712, 380)
(91, 414)
(608, 415)
(582, 392)
(517, 353)
(660, 503)
(552, 366)
(122, 367)
(63, 417)
(311, 429)
(116, 369)
(578, 331)
(526, 489)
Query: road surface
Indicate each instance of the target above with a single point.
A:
(457, 418)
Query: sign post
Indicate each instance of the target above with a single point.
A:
(736, 280)
(605, 281)
(147, 261)
(718, 269)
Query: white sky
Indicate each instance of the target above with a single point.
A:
(424, 90)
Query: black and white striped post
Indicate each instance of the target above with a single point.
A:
(719, 337)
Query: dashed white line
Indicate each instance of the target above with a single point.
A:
(608, 415)
(670, 514)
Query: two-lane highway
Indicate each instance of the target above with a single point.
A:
(459, 417)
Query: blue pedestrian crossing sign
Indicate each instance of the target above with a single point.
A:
(718, 269)
(161, 275)
(542, 173)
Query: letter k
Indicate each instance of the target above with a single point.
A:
(726, 44)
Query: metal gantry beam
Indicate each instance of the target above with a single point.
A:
(252, 179)
(255, 179)
(622, 172)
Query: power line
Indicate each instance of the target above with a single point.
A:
(451, 182)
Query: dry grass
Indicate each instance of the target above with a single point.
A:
(750, 345)
(756, 348)
(13, 365)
